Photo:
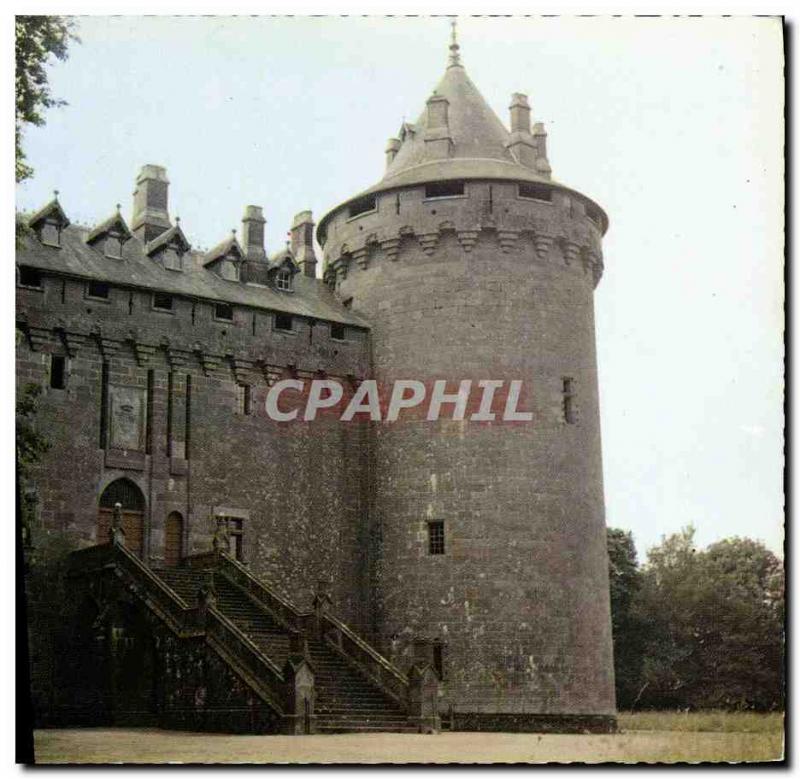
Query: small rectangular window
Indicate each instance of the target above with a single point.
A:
(436, 537)
(162, 301)
(98, 289)
(30, 277)
(337, 331)
(243, 405)
(223, 311)
(568, 392)
(444, 189)
(536, 192)
(58, 371)
(283, 321)
(283, 280)
(362, 206)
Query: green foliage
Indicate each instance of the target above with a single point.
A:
(699, 628)
(37, 39)
(625, 583)
(31, 445)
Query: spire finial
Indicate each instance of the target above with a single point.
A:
(455, 57)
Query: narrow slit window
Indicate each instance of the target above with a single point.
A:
(243, 404)
(283, 321)
(98, 289)
(436, 537)
(58, 371)
(568, 393)
(223, 311)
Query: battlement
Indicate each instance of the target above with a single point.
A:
(559, 224)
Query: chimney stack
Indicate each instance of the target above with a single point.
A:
(150, 215)
(522, 144)
(302, 243)
(392, 147)
(253, 233)
(520, 113)
(438, 141)
(540, 142)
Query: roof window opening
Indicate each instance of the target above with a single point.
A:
(444, 189)
(98, 289)
(363, 205)
(594, 214)
(223, 311)
(30, 277)
(283, 321)
(337, 331)
(536, 192)
(283, 280)
(112, 247)
(162, 301)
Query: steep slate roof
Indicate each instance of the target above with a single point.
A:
(76, 258)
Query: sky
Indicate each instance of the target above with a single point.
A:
(673, 125)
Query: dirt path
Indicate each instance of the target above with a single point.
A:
(160, 746)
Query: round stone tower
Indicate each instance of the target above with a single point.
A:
(489, 548)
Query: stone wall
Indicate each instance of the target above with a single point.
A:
(488, 286)
(297, 488)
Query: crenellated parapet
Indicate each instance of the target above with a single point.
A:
(563, 229)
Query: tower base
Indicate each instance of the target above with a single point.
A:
(533, 723)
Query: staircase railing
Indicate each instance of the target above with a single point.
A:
(261, 673)
(348, 643)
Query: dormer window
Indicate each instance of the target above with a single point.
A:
(169, 248)
(110, 236)
(49, 222)
(283, 280)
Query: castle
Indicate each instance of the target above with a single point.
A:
(228, 571)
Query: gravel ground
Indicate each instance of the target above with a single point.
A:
(105, 745)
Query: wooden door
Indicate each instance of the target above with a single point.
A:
(132, 525)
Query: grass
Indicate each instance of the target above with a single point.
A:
(716, 721)
(645, 737)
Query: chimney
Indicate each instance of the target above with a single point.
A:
(520, 113)
(540, 143)
(392, 147)
(253, 233)
(150, 216)
(302, 243)
(437, 111)
(521, 144)
(438, 141)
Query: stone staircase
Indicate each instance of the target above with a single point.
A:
(346, 701)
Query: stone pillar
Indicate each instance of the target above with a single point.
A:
(423, 690)
(299, 717)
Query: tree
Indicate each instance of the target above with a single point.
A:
(625, 582)
(37, 39)
(712, 625)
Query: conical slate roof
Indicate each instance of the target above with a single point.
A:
(476, 131)
(479, 148)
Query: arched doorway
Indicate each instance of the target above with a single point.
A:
(173, 539)
(126, 493)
